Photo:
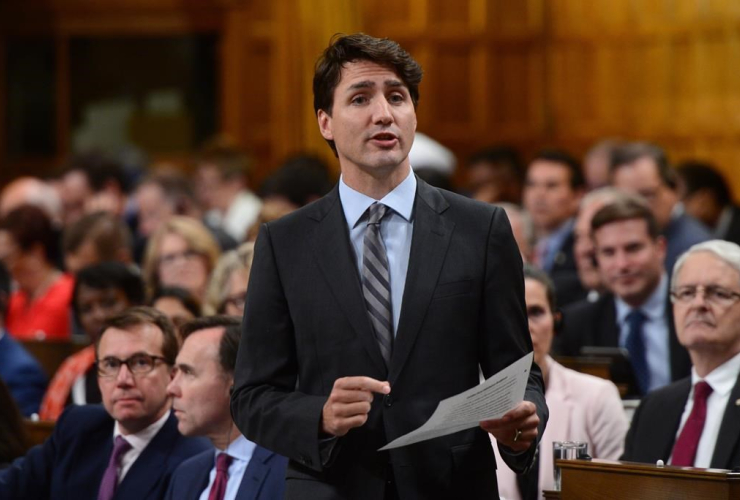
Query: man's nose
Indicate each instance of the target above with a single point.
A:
(124, 377)
(382, 111)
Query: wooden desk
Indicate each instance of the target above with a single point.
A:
(38, 431)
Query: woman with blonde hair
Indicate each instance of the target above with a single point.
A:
(227, 289)
(181, 253)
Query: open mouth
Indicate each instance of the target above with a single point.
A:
(385, 139)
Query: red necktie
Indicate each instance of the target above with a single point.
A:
(218, 490)
(684, 451)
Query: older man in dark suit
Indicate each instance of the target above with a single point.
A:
(379, 300)
(127, 448)
(695, 422)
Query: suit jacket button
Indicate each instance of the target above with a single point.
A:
(388, 400)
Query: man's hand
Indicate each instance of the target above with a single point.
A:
(507, 429)
(349, 403)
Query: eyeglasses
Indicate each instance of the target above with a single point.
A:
(187, 255)
(713, 294)
(138, 364)
(237, 300)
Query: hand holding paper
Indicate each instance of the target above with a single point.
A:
(490, 400)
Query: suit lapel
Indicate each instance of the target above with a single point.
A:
(608, 327)
(334, 254)
(255, 474)
(729, 432)
(664, 433)
(431, 237)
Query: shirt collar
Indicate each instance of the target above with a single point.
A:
(401, 200)
(239, 449)
(723, 378)
(141, 439)
(654, 306)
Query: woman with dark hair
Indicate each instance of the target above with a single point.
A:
(102, 291)
(178, 304)
(39, 308)
(582, 407)
(13, 439)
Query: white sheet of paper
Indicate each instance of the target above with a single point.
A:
(489, 400)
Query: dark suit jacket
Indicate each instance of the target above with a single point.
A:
(682, 233)
(23, 375)
(564, 275)
(655, 425)
(733, 230)
(264, 478)
(306, 326)
(595, 324)
(71, 463)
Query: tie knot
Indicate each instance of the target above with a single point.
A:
(120, 447)
(222, 462)
(375, 213)
(636, 318)
(702, 390)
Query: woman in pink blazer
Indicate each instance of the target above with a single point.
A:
(582, 407)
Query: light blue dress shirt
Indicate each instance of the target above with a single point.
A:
(655, 332)
(241, 451)
(396, 230)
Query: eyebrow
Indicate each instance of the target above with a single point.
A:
(185, 366)
(366, 84)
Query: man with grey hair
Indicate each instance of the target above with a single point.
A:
(695, 422)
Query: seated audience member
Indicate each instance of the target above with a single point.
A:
(222, 186)
(129, 446)
(228, 287)
(495, 175)
(552, 190)
(23, 375)
(643, 169)
(13, 438)
(163, 195)
(582, 407)
(94, 238)
(31, 191)
(521, 226)
(39, 308)
(583, 245)
(177, 304)
(596, 163)
(706, 197)
(181, 253)
(101, 292)
(200, 390)
(636, 314)
(297, 182)
(694, 422)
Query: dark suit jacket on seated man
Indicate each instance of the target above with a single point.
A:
(630, 255)
(234, 468)
(353, 333)
(696, 421)
(135, 353)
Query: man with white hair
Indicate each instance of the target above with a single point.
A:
(695, 422)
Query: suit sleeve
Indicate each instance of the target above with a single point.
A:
(265, 404)
(505, 336)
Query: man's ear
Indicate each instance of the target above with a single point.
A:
(324, 120)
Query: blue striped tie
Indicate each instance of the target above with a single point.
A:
(376, 281)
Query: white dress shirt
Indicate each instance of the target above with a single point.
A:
(241, 451)
(655, 333)
(396, 229)
(138, 442)
(722, 379)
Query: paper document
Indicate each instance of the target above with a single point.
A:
(489, 400)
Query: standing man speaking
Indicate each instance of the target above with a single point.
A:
(369, 306)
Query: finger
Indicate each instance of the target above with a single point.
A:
(364, 384)
(350, 410)
(515, 416)
(350, 396)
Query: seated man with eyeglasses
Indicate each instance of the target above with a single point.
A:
(695, 422)
(127, 448)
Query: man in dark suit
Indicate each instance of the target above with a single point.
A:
(204, 376)
(552, 191)
(707, 197)
(20, 371)
(695, 422)
(636, 314)
(127, 448)
(369, 306)
(642, 168)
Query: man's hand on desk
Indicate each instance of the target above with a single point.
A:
(517, 429)
(349, 403)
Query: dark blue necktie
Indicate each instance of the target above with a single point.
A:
(636, 347)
